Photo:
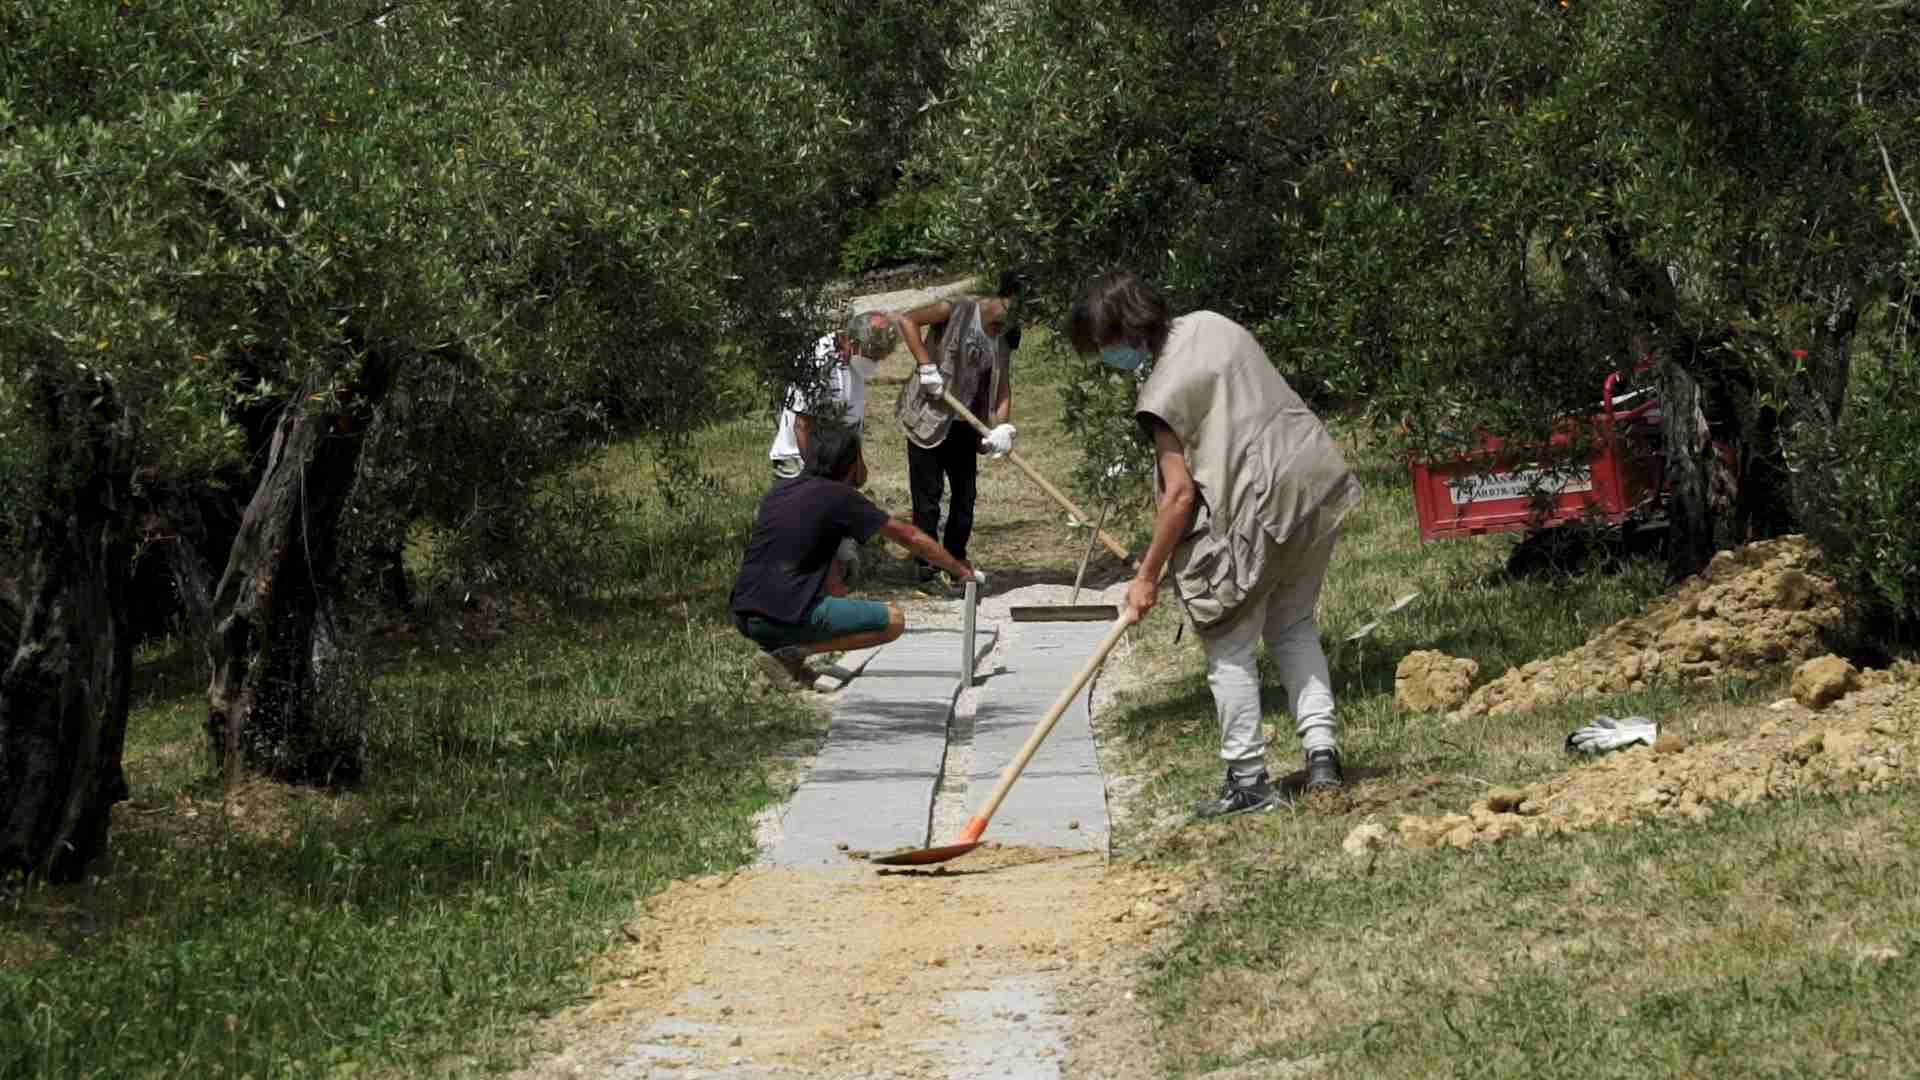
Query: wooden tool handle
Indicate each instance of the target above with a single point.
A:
(967, 414)
(978, 824)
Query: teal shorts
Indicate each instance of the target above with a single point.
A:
(829, 617)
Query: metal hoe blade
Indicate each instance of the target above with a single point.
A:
(925, 856)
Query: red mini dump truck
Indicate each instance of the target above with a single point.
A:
(1611, 473)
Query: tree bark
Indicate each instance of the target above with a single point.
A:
(63, 693)
(1689, 471)
(276, 592)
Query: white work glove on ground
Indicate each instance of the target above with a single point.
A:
(999, 440)
(931, 384)
(1606, 733)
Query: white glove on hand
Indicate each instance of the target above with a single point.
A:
(978, 578)
(1606, 733)
(931, 383)
(999, 440)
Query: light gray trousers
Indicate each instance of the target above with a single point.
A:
(1283, 618)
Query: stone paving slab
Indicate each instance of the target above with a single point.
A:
(871, 788)
(1062, 785)
(837, 675)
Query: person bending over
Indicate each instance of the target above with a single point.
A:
(780, 600)
(968, 352)
(1251, 493)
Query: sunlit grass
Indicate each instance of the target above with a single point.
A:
(1759, 945)
(535, 770)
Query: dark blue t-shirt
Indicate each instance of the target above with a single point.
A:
(799, 527)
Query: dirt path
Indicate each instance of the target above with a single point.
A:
(1014, 962)
(1009, 961)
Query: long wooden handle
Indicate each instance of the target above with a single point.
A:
(967, 414)
(978, 824)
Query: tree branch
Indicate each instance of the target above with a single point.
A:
(371, 16)
(1886, 162)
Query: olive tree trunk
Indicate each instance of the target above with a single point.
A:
(272, 629)
(1688, 449)
(63, 690)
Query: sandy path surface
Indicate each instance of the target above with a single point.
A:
(1006, 962)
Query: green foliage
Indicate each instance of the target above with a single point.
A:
(1454, 217)
(551, 216)
(894, 232)
(522, 792)
(1855, 483)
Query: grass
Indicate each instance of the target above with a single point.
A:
(1779, 940)
(526, 789)
(537, 769)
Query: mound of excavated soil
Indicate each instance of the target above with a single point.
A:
(1866, 741)
(1762, 605)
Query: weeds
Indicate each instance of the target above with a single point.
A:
(532, 771)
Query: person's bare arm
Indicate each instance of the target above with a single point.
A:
(1003, 406)
(908, 536)
(802, 432)
(913, 323)
(1178, 496)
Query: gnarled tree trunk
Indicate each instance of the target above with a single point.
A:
(63, 693)
(276, 593)
(1688, 450)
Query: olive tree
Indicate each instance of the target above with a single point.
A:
(268, 241)
(1463, 217)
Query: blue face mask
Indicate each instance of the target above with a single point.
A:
(1124, 357)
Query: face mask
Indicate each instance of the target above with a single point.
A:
(1124, 357)
(862, 366)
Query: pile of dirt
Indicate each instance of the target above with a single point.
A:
(1866, 741)
(1430, 681)
(1760, 606)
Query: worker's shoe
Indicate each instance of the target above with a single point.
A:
(786, 667)
(1324, 775)
(1240, 797)
(939, 584)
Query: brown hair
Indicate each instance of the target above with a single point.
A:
(1119, 306)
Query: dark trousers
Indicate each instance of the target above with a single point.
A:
(955, 461)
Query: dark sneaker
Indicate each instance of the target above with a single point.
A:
(1324, 775)
(1239, 798)
(786, 668)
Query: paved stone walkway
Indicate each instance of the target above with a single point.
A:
(873, 785)
(1060, 799)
